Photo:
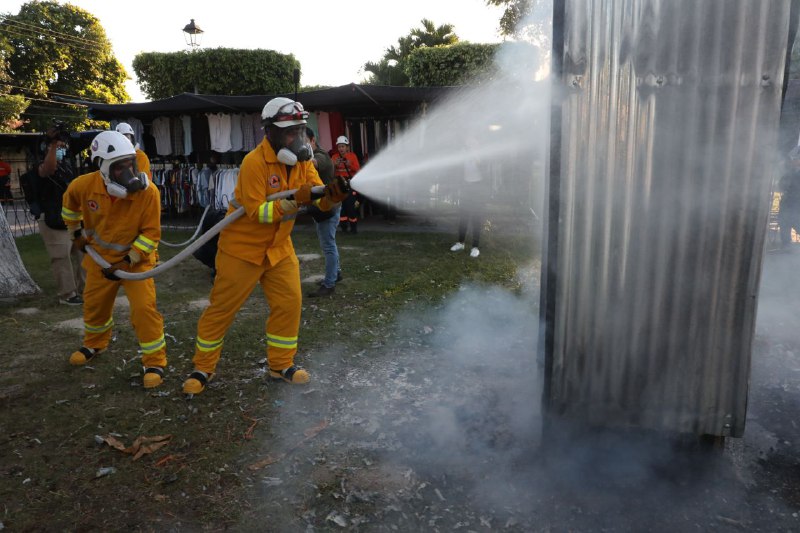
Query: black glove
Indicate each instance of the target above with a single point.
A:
(109, 273)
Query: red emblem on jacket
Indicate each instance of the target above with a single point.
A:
(275, 181)
(93, 205)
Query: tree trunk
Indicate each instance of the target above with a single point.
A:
(14, 279)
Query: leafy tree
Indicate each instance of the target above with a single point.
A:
(515, 12)
(60, 50)
(456, 64)
(391, 68)
(11, 106)
(215, 71)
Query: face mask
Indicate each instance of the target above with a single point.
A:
(287, 157)
(297, 150)
(61, 153)
(127, 182)
(301, 149)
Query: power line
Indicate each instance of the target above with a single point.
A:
(25, 25)
(27, 114)
(92, 42)
(56, 102)
(53, 92)
(55, 39)
(22, 33)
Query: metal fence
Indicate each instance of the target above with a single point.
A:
(659, 208)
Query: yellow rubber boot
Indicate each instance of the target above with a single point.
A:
(83, 355)
(153, 377)
(196, 382)
(293, 375)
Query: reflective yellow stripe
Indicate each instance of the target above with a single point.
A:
(281, 342)
(317, 202)
(68, 214)
(144, 244)
(208, 346)
(99, 329)
(266, 212)
(154, 346)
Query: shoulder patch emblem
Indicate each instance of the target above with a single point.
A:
(275, 181)
(93, 205)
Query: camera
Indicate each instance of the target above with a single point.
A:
(58, 131)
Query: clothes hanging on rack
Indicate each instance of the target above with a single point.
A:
(186, 122)
(219, 126)
(161, 133)
(237, 138)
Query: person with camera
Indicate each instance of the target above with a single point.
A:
(325, 222)
(117, 210)
(257, 247)
(345, 164)
(54, 175)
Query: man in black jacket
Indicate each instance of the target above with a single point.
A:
(54, 174)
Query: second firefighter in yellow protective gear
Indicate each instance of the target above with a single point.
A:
(117, 210)
(257, 248)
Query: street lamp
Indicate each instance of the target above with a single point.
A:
(192, 35)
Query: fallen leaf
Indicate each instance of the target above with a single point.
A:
(141, 446)
(268, 460)
(313, 431)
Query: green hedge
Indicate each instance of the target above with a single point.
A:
(225, 71)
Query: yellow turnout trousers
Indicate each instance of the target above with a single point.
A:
(233, 284)
(98, 306)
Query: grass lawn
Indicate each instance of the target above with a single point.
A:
(221, 444)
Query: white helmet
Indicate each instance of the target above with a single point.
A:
(110, 147)
(124, 128)
(283, 112)
(342, 140)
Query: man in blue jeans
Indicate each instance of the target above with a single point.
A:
(326, 222)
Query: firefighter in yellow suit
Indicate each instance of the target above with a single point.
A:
(118, 211)
(257, 248)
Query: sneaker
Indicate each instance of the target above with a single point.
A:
(474, 252)
(457, 247)
(322, 291)
(72, 300)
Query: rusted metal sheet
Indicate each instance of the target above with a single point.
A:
(658, 204)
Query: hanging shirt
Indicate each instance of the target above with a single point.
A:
(258, 129)
(162, 136)
(176, 135)
(236, 133)
(248, 132)
(219, 126)
(138, 130)
(186, 120)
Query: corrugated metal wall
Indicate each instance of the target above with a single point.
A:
(668, 123)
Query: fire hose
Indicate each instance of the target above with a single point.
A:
(193, 237)
(316, 192)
